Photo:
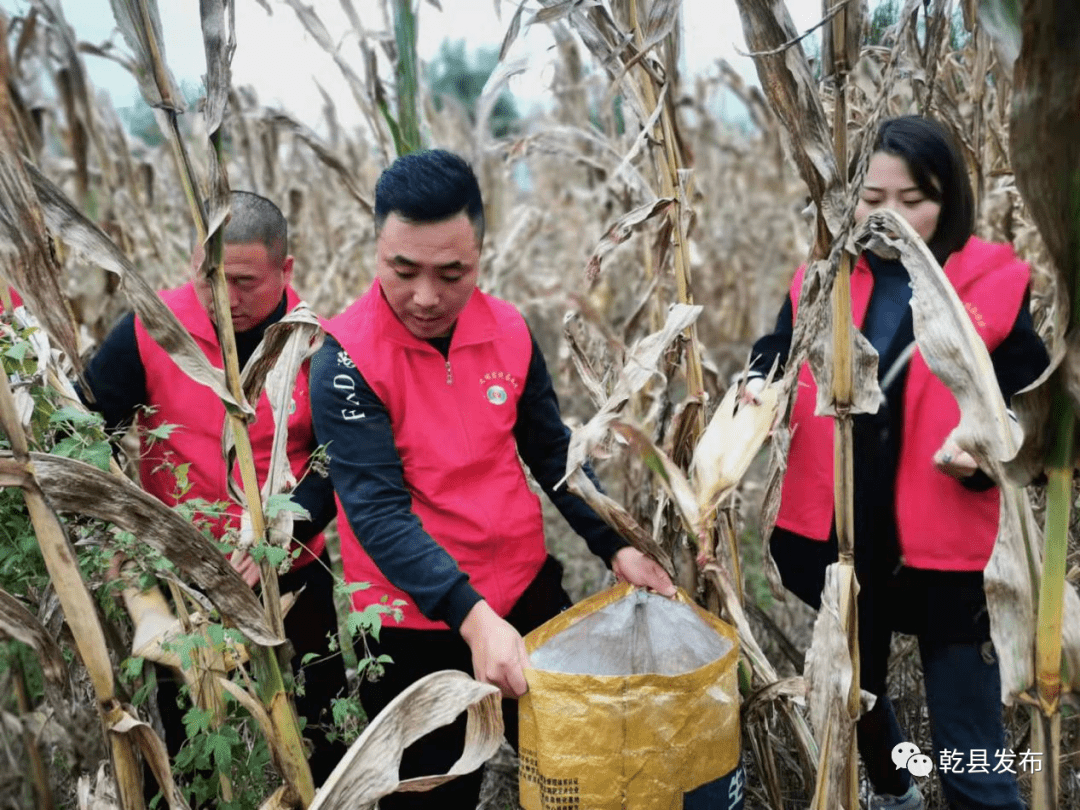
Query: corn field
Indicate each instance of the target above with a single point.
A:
(648, 243)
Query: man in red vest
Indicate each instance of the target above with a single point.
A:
(132, 378)
(429, 395)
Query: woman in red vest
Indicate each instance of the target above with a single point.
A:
(926, 516)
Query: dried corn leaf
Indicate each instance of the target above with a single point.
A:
(256, 710)
(325, 154)
(20, 624)
(958, 357)
(366, 95)
(219, 39)
(865, 392)
(86, 239)
(615, 515)
(789, 84)
(27, 259)
(98, 792)
(73, 486)
(62, 564)
(511, 32)
(948, 342)
(621, 230)
(671, 477)
(154, 753)
(140, 24)
(276, 361)
(642, 364)
(496, 84)
(369, 770)
(829, 676)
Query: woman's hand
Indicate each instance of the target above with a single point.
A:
(953, 461)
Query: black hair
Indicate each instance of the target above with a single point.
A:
(253, 218)
(938, 169)
(429, 186)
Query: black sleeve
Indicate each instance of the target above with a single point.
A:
(316, 494)
(775, 346)
(1018, 361)
(116, 376)
(368, 476)
(1021, 357)
(542, 440)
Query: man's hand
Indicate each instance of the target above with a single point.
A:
(498, 651)
(951, 460)
(751, 393)
(245, 566)
(631, 565)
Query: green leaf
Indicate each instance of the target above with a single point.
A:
(161, 432)
(68, 447)
(216, 633)
(283, 502)
(349, 588)
(196, 721)
(133, 667)
(222, 752)
(99, 454)
(275, 555)
(18, 351)
(75, 417)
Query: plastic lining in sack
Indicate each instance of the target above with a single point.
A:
(642, 633)
(632, 703)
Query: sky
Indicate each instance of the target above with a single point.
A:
(277, 57)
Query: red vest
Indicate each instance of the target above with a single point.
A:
(200, 419)
(941, 524)
(453, 422)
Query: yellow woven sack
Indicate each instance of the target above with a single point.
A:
(632, 703)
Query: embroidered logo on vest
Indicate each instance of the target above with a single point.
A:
(495, 383)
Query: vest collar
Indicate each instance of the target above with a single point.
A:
(476, 323)
(197, 320)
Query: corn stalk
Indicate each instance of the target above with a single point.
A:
(406, 129)
(79, 610)
(1045, 151)
(840, 51)
(139, 22)
(839, 362)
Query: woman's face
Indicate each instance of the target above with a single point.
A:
(889, 184)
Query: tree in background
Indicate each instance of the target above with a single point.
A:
(457, 78)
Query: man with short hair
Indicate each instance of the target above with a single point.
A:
(131, 371)
(425, 392)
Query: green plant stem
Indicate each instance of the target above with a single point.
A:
(1059, 473)
(408, 119)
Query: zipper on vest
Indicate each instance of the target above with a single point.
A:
(449, 374)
